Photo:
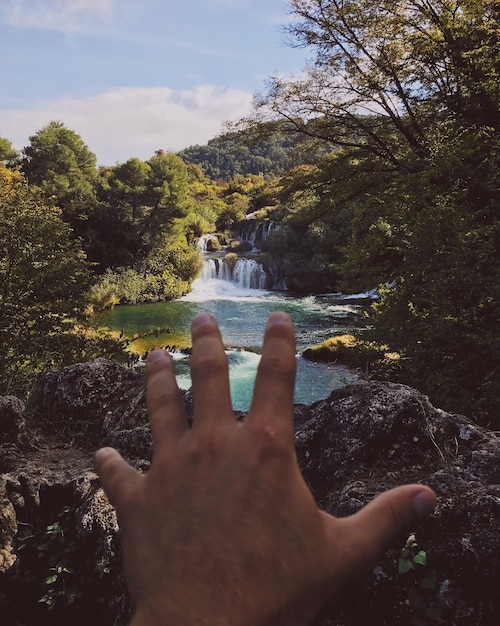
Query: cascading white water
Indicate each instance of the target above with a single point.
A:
(257, 230)
(269, 228)
(246, 273)
(205, 240)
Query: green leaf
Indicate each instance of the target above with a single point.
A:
(404, 565)
(405, 553)
(434, 612)
(430, 580)
(420, 558)
(48, 599)
(51, 579)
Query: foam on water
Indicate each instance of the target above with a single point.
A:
(215, 289)
(314, 380)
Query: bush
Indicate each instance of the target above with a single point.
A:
(349, 350)
(165, 275)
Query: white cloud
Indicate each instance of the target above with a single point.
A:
(68, 16)
(133, 121)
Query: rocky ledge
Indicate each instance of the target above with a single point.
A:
(59, 552)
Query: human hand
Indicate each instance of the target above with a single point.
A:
(223, 530)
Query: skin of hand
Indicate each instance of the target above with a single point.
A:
(223, 530)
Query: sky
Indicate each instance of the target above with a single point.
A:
(133, 76)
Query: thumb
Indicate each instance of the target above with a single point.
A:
(380, 523)
(117, 477)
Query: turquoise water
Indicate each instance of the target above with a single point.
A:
(242, 315)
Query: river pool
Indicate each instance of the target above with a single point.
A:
(242, 313)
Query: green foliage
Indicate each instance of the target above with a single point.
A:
(113, 238)
(240, 154)
(347, 349)
(201, 220)
(181, 260)
(144, 204)
(235, 208)
(410, 192)
(65, 578)
(128, 185)
(7, 152)
(43, 290)
(425, 605)
(166, 274)
(315, 217)
(58, 161)
(306, 258)
(441, 311)
(43, 280)
(167, 193)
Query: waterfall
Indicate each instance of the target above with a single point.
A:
(249, 274)
(208, 242)
(255, 230)
(246, 273)
(273, 269)
(269, 227)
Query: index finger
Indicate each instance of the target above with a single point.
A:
(275, 381)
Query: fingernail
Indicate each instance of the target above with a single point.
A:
(278, 318)
(156, 356)
(424, 503)
(102, 454)
(204, 319)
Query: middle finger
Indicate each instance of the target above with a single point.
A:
(209, 374)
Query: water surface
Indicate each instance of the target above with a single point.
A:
(242, 314)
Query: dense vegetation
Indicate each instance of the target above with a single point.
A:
(409, 95)
(44, 279)
(380, 163)
(251, 152)
(75, 240)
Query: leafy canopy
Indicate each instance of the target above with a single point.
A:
(43, 281)
(408, 96)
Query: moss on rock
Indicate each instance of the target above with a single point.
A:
(349, 350)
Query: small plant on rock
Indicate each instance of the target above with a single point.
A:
(426, 607)
(66, 580)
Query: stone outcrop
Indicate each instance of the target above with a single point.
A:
(361, 440)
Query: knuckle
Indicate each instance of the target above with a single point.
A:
(270, 440)
(207, 445)
(207, 366)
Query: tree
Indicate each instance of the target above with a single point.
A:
(43, 283)
(408, 94)
(151, 210)
(129, 186)
(7, 152)
(59, 162)
(384, 73)
(239, 154)
(167, 193)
